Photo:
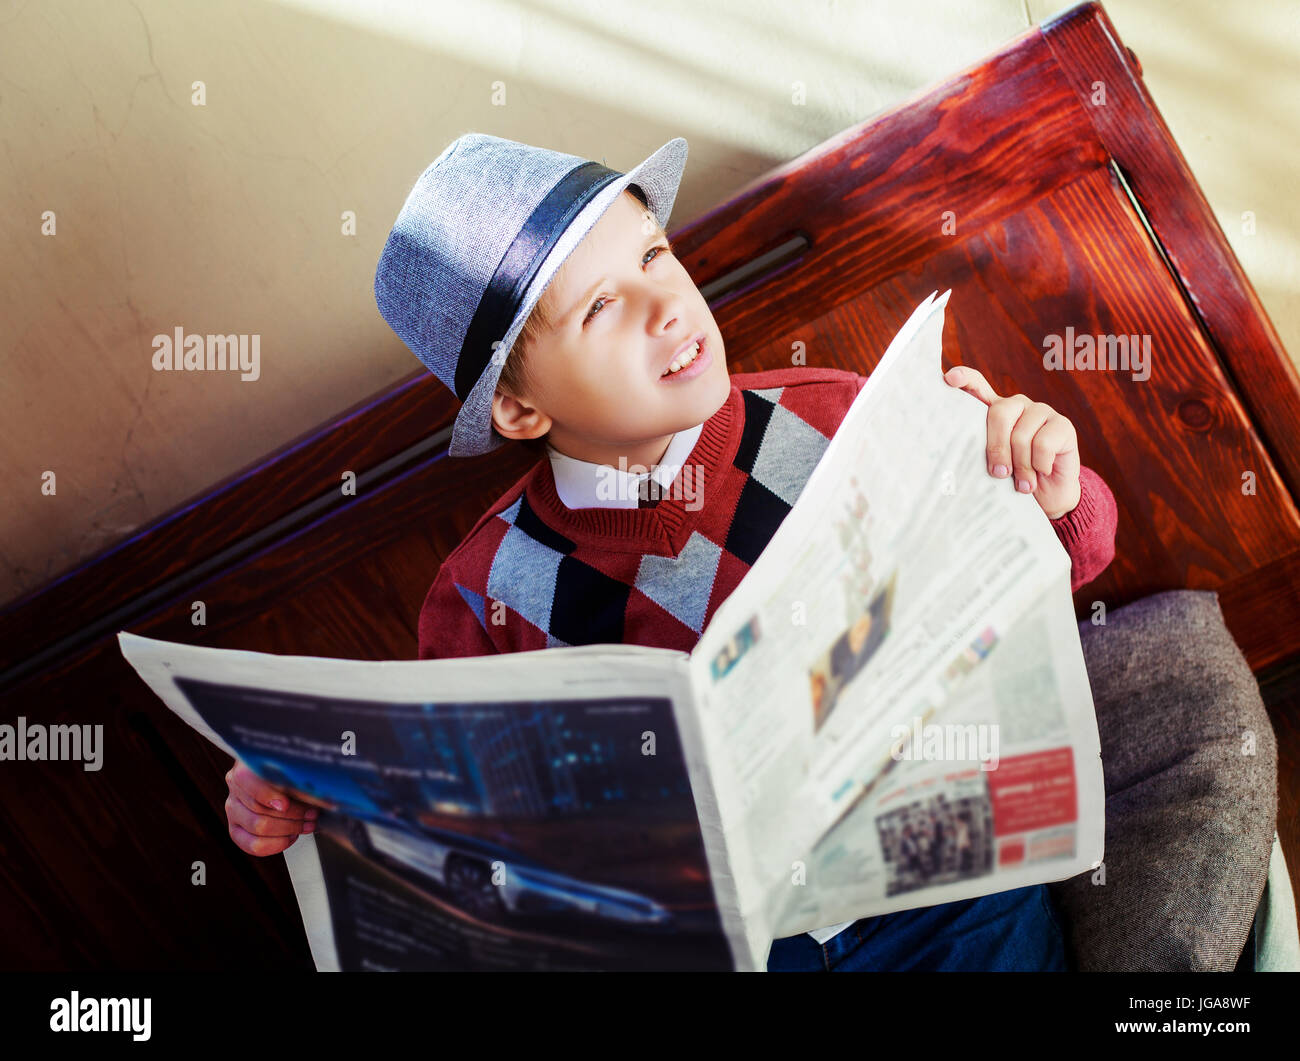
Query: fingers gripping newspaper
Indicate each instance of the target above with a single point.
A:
(890, 711)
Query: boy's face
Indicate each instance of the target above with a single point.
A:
(623, 307)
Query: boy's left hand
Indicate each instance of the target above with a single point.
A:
(1030, 440)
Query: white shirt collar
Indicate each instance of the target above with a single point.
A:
(586, 484)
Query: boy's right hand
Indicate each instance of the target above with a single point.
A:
(257, 825)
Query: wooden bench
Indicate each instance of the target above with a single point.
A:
(1043, 207)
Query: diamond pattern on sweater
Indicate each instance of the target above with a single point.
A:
(788, 454)
(475, 602)
(559, 593)
(758, 411)
(758, 513)
(778, 451)
(682, 585)
(534, 574)
(522, 516)
(590, 606)
(523, 576)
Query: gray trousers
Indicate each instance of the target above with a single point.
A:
(1190, 762)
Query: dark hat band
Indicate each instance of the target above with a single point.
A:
(519, 265)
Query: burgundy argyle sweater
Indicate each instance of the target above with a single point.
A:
(534, 574)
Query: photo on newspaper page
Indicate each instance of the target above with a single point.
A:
(554, 830)
(903, 717)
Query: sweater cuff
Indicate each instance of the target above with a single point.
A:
(1075, 525)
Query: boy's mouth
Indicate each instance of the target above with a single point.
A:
(690, 362)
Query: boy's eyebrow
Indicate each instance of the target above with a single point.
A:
(577, 306)
(658, 234)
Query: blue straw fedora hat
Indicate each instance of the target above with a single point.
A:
(479, 237)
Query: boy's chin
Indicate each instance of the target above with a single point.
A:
(724, 389)
(696, 402)
(705, 398)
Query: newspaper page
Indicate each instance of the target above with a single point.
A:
(546, 810)
(894, 703)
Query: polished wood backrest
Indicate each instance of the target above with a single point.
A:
(1042, 206)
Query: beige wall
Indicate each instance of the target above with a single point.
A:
(227, 217)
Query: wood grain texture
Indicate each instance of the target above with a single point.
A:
(1133, 132)
(1172, 448)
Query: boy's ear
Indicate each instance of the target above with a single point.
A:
(515, 419)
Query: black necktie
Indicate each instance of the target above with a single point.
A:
(647, 493)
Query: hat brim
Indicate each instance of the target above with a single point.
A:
(659, 177)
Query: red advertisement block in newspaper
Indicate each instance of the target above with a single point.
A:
(1035, 791)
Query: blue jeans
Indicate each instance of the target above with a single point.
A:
(1016, 930)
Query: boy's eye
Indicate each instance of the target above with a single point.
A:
(593, 312)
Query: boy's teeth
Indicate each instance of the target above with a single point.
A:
(683, 360)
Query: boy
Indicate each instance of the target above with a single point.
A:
(663, 477)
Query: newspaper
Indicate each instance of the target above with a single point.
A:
(890, 711)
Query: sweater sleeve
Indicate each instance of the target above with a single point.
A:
(1088, 530)
(448, 626)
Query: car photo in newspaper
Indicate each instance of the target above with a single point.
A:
(552, 832)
